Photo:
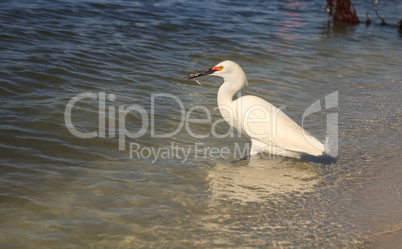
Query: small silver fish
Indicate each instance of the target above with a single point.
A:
(196, 80)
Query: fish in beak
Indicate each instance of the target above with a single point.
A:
(201, 73)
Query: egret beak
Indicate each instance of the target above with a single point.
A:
(201, 73)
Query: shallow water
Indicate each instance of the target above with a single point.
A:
(185, 190)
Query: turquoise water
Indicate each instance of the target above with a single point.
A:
(163, 175)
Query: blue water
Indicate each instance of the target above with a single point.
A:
(155, 178)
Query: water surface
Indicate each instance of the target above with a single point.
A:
(63, 191)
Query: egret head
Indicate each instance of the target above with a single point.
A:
(222, 69)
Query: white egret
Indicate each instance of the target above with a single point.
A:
(270, 129)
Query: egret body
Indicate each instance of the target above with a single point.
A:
(269, 129)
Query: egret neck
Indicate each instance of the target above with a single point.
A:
(233, 82)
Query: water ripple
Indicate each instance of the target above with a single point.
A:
(59, 190)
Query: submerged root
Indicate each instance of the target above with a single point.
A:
(344, 11)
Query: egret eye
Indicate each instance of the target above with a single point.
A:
(220, 68)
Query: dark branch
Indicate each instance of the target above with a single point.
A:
(376, 12)
(368, 21)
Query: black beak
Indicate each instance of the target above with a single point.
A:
(200, 73)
